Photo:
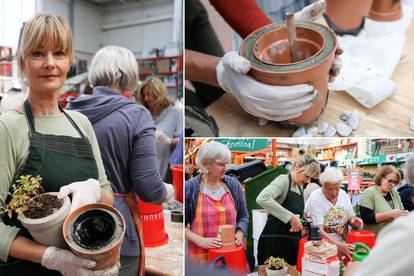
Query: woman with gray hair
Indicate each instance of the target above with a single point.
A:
(330, 208)
(390, 255)
(212, 198)
(125, 132)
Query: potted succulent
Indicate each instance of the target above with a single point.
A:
(276, 266)
(42, 214)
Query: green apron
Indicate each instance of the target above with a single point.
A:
(276, 240)
(59, 160)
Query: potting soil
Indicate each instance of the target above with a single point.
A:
(43, 206)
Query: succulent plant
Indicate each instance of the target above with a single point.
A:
(275, 263)
(25, 188)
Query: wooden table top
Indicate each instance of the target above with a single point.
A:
(388, 119)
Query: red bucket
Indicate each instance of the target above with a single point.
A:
(152, 218)
(363, 236)
(301, 252)
(235, 258)
(177, 173)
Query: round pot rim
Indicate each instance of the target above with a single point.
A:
(75, 214)
(329, 46)
(291, 63)
(385, 16)
(30, 221)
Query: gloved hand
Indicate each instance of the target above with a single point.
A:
(170, 192)
(275, 103)
(83, 192)
(66, 262)
(110, 271)
(161, 138)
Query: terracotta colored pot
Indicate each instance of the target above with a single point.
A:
(268, 51)
(226, 233)
(95, 231)
(347, 17)
(386, 10)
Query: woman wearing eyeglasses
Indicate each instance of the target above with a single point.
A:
(211, 199)
(381, 204)
(167, 117)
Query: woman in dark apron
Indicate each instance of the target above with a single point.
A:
(283, 199)
(42, 139)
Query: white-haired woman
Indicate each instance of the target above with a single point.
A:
(167, 117)
(129, 159)
(331, 209)
(211, 199)
(283, 199)
(391, 253)
(39, 138)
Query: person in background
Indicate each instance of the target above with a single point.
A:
(211, 199)
(130, 159)
(330, 208)
(390, 255)
(380, 204)
(283, 199)
(312, 186)
(39, 138)
(168, 120)
(405, 190)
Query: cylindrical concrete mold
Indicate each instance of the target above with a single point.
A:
(268, 51)
(95, 232)
(347, 17)
(386, 10)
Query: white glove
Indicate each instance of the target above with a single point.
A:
(170, 192)
(66, 262)
(83, 192)
(161, 138)
(275, 103)
(311, 12)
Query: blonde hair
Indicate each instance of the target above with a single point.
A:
(211, 151)
(331, 175)
(159, 92)
(384, 171)
(114, 66)
(308, 165)
(42, 29)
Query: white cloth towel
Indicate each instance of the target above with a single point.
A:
(369, 59)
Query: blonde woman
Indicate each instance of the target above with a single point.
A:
(168, 120)
(40, 138)
(283, 199)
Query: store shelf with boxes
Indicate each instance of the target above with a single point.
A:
(167, 68)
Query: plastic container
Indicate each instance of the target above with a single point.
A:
(359, 255)
(360, 236)
(301, 252)
(177, 172)
(235, 258)
(153, 228)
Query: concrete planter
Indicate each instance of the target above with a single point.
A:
(95, 231)
(268, 51)
(48, 230)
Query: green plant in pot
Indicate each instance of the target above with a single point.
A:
(42, 214)
(276, 266)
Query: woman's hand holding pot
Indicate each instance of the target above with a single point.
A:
(239, 237)
(207, 243)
